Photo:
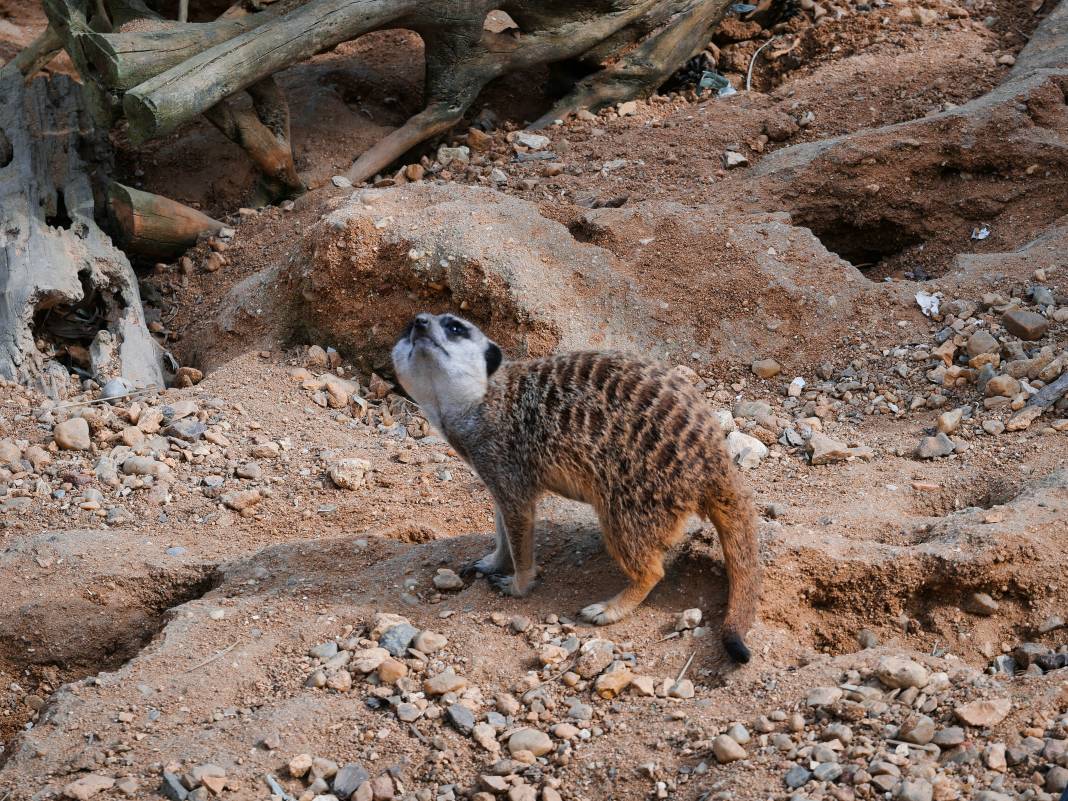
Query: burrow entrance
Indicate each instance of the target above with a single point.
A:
(70, 633)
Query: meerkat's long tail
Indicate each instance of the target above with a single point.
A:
(729, 505)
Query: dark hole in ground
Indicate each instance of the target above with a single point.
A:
(64, 637)
(59, 218)
(865, 246)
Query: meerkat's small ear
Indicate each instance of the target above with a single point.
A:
(494, 357)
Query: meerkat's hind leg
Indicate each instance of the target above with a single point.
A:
(623, 603)
(518, 519)
(638, 548)
(499, 561)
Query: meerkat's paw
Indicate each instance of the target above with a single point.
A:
(602, 614)
(488, 565)
(510, 585)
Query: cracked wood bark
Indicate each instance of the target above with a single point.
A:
(51, 249)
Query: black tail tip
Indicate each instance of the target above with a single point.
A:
(736, 648)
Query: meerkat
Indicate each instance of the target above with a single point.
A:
(632, 439)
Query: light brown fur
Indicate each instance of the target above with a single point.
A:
(631, 438)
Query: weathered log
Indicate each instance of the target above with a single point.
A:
(122, 60)
(161, 104)
(263, 132)
(155, 227)
(60, 275)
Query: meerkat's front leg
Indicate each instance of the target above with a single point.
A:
(518, 522)
(500, 560)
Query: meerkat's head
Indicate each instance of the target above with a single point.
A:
(444, 363)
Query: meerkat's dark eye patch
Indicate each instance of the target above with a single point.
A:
(455, 328)
(494, 357)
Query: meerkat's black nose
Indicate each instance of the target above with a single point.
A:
(421, 322)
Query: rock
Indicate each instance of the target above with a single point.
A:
(897, 672)
(242, 500)
(644, 685)
(766, 368)
(408, 713)
(519, 624)
(391, 671)
(536, 742)
(143, 466)
(727, 750)
(10, 455)
(935, 447)
(595, 656)
(779, 127)
(1002, 385)
(823, 696)
(88, 786)
(1025, 324)
(462, 718)
(981, 604)
(445, 682)
(1028, 653)
(341, 182)
(948, 737)
(72, 434)
(733, 159)
(914, 790)
(824, 450)
(993, 427)
(983, 713)
(565, 731)
(549, 794)
(324, 651)
(918, 729)
(129, 786)
(382, 788)
(1056, 779)
(396, 639)
(349, 474)
(300, 764)
(172, 787)
(322, 768)
(115, 388)
(994, 757)
(368, 660)
(688, 619)
(522, 792)
(552, 654)
(948, 422)
(797, 776)
(447, 155)
(982, 342)
(682, 689)
(532, 141)
(348, 779)
(339, 681)
(429, 642)
(188, 429)
(249, 470)
(447, 580)
(745, 450)
(611, 683)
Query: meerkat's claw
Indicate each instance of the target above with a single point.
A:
(509, 585)
(601, 614)
(488, 565)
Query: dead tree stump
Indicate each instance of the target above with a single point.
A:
(70, 300)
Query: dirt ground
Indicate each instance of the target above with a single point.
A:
(157, 622)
